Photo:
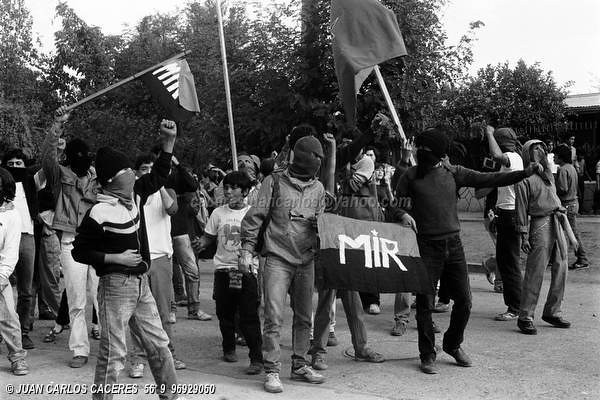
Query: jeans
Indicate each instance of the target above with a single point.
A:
(402, 307)
(580, 253)
(542, 237)
(127, 300)
(444, 256)
(81, 282)
(508, 257)
(184, 255)
(160, 276)
(47, 272)
(281, 277)
(324, 315)
(10, 330)
(24, 274)
(245, 301)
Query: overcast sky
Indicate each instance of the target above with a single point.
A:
(562, 35)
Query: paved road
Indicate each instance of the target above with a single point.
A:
(555, 364)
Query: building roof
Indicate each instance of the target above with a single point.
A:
(583, 102)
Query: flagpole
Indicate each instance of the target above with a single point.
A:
(227, 90)
(389, 102)
(126, 80)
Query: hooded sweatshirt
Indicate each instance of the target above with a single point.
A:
(291, 234)
(534, 196)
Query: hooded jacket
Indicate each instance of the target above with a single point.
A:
(291, 234)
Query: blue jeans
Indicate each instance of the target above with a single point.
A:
(281, 277)
(444, 256)
(10, 330)
(126, 299)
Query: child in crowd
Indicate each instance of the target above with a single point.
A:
(10, 236)
(234, 289)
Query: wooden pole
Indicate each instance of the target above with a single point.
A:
(388, 100)
(126, 80)
(227, 90)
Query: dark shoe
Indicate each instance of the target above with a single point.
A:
(436, 329)
(27, 343)
(78, 361)
(557, 322)
(307, 374)
(240, 341)
(230, 357)
(428, 366)
(19, 367)
(332, 340)
(579, 266)
(47, 316)
(51, 336)
(318, 363)
(526, 327)
(498, 287)
(254, 368)
(460, 356)
(369, 355)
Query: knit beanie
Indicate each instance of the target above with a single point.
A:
(435, 140)
(308, 154)
(108, 162)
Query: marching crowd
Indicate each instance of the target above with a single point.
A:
(127, 236)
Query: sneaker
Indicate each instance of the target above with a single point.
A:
(27, 343)
(273, 383)
(78, 361)
(374, 309)
(19, 367)
(506, 316)
(307, 374)
(436, 329)
(441, 307)
(369, 355)
(399, 328)
(230, 356)
(172, 318)
(332, 340)
(460, 356)
(95, 333)
(254, 368)
(318, 363)
(136, 371)
(179, 364)
(428, 366)
(578, 265)
(200, 316)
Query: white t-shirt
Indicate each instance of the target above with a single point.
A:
(506, 194)
(21, 206)
(551, 164)
(158, 227)
(226, 224)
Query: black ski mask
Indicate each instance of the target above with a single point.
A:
(78, 157)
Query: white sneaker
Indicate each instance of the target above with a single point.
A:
(136, 371)
(273, 383)
(374, 309)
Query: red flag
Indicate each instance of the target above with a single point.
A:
(365, 33)
(174, 88)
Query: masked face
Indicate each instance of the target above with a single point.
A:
(15, 163)
(121, 185)
(80, 164)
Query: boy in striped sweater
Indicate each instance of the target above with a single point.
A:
(112, 238)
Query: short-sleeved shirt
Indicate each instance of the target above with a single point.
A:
(225, 223)
(506, 194)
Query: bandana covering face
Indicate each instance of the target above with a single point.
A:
(121, 187)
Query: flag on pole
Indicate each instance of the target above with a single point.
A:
(365, 33)
(174, 88)
(372, 257)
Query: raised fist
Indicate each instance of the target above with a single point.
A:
(168, 128)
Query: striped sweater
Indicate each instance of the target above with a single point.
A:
(110, 228)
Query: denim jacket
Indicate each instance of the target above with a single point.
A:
(74, 195)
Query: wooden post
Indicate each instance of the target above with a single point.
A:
(389, 102)
(227, 90)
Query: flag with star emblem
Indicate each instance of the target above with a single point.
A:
(372, 257)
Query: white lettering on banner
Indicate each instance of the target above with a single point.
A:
(377, 253)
